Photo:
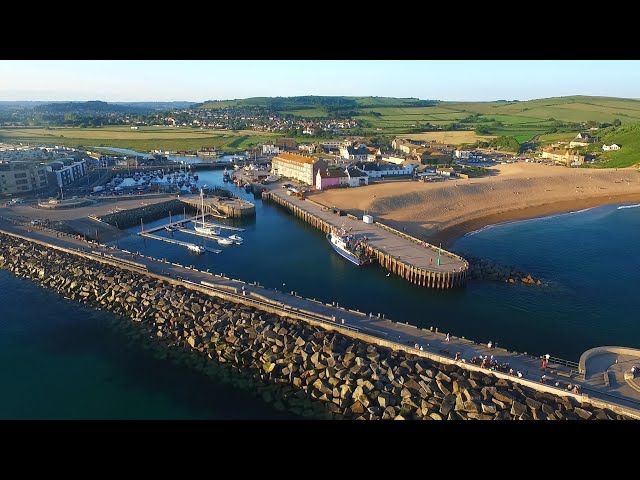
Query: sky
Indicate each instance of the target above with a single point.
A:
(200, 80)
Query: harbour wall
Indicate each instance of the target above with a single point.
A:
(310, 368)
(417, 276)
(131, 217)
(231, 207)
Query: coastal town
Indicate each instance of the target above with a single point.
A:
(316, 256)
(340, 163)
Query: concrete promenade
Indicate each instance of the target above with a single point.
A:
(371, 328)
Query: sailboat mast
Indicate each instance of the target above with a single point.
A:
(202, 198)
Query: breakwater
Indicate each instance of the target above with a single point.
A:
(486, 269)
(312, 371)
(453, 272)
(131, 217)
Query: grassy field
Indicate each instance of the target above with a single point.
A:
(453, 138)
(627, 136)
(307, 113)
(379, 115)
(522, 120)
(548, 138)
(143, 140)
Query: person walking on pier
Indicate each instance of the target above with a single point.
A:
(489, 344)
(447, 338)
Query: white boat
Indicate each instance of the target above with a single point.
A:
(236, 238)
(170, 227)
(203, 229)
(207, 230)
(349, 247)
(196, 248)
(225, 241)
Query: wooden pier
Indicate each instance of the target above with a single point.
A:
(178, 226)
(171, 224)
(414, 260)
(218, 225)
(175, 242)
(198, 234)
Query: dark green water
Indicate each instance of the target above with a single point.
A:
(60, 360)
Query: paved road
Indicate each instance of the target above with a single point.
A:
(407, 335)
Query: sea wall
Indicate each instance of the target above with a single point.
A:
(302, 368)
(131, 217)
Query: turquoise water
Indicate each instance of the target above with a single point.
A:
(70, 365)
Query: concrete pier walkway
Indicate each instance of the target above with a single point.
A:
(430, 344)
(414, 260)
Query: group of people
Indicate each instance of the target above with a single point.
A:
(491, 363)
(573, 388)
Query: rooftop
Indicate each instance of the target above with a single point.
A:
(297, 157)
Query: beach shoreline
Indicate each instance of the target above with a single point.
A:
(444, 212)
(451, 235)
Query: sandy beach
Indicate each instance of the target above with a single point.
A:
(444, 211)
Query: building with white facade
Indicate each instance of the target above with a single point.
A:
(613, 146)
(67, 170)
(269, 149)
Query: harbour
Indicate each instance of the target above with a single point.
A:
(378, 331)
(449, 249)
(311, 308)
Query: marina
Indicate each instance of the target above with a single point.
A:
(190, 246)
(179, 226)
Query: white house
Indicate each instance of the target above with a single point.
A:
(613, 146)
(354, 178)
(381, 169)
(446, 172)
(582, 140)
(307, 147)
(270, 149)
(354, 154)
